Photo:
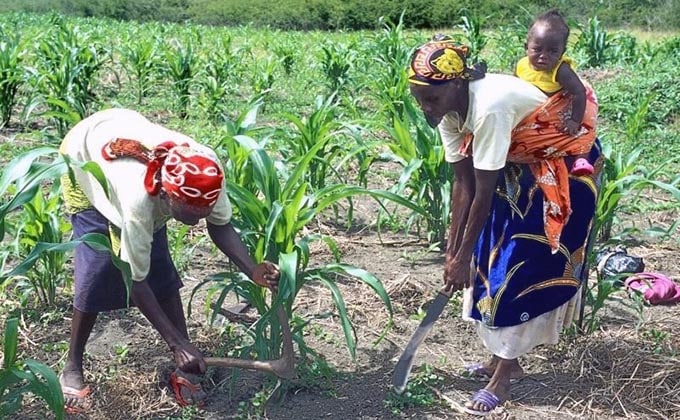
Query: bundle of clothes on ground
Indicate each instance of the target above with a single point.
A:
(655, 288)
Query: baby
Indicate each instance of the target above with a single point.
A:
(547, 68)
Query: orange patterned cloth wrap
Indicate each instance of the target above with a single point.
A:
(540, 141)
(440, 61)
(190, 176)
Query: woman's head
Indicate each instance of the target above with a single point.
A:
(438, 70)
(547, 40)
(183, 212)
(188, 179)
(438, 100)
(439, 61)
(191, 181)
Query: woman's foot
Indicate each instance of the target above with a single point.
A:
(486, 370)
(496, 392)
(75, 391)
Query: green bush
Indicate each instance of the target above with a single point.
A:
(357, 14)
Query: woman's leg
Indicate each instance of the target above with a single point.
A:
(499, 384)
(72, 376)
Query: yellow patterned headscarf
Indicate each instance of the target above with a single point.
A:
(440, 61)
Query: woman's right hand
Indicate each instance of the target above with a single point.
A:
(456, 274)
(188, 358)
(266, 274)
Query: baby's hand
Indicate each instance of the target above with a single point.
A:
(572, 127)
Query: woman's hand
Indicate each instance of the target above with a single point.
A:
(572, 127)
(456, 274)
(266, 274)
(188, 358)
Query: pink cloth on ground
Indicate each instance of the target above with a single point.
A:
(656, 288)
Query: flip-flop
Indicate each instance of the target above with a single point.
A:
(487, 398)
(79, 394)
(478, 371)
(178, 382)
(656, 288)
(475, 371)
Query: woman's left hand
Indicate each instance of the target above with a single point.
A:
(266, 274)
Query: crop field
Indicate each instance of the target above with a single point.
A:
(333, 174)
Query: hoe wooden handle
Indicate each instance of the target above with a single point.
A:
(283, 367)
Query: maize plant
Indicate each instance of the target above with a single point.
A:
(286, 54)
(180, 66)
(623, 181)
(426, 177)
(272, 216)
(508, 46)
(236, 167)
(41, 222)
(320, 129)
(12, 74)
(264, 76)
(594, 42)
(67, 73)
(337, 63)
(20, 377)
(214, 80)
(391, 54)
(474, 37)
(141, 59)
(623, 177)
(22, 180)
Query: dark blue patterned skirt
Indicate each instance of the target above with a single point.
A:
(517, 277)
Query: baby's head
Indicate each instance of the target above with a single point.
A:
(547, 40)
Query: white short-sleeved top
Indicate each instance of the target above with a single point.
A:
(497, 104)
(128, 205)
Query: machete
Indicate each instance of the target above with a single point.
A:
(403, 368)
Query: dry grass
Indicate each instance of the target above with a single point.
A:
(620, 374)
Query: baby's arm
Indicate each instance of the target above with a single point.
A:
(572, 84)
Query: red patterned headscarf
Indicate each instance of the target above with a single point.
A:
(439, 61)
(190, 176)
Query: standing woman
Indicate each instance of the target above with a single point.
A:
(520, 224)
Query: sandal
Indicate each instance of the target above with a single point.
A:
(178, 382)
(478, 371)
(475, 371)
(487, 399)
(582, 167)
(78, 395)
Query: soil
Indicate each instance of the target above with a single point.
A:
(628, 368)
